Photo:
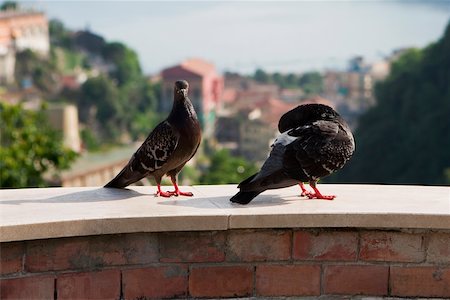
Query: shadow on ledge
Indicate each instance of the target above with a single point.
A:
(97, 195)
(224, 202)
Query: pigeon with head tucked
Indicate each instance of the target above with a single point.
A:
(167, 148)
(314, 142)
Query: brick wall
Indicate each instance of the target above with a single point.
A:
(234, 263)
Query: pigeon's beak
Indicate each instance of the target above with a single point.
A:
(183, 91)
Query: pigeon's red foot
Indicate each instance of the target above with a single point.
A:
(177, 191)
(180, 193)
(317, 194)
(305, 192)
(161, 193)
(164, 194)
(320, 196)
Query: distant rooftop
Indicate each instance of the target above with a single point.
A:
(197, 66)
(19, 13)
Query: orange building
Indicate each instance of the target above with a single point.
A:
(205, 89)
(20, 30)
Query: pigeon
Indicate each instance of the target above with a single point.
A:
(314, 142)
(167, 148)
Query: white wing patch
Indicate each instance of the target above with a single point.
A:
(284, 139)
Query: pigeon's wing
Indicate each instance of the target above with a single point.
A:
(271, 174)
(157, 148)
(151, 155)
(308, 156)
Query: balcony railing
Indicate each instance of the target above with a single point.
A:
(373, 240)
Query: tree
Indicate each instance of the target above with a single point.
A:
(291, 80)
(29, 148)
(405, 138)
(59, 34)
(261, 76)
(39, 71)
(9, 5)
(279, 79)
(115, 105)
(311, 83)
(140, 97)
(126, 63)
(225, 169)
(100, 101)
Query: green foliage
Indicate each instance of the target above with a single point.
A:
(143, 122)
(89, 42)
(29, 148)
(406, 137)
(59, 35)
(41, 71)
(72, 60)
(129, 108)
(90, 141)
(189, 175)
(126, 63)
(118, 103)
(310, 82)
(9, 5)
(225, 169)
(261, 76)
(447, 176)
(100, 101)
(141, 99)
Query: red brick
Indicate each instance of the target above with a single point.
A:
(229, 281)
(123, 249)
(155, 282)
(439, 248)
(420, 282)
(192, 247)
(262, 245)
(288, 280)
(57, 254)
(391, 246)
(11, 257)
(356, 280)
(328, 245)
(91, 252)
(94, 285)
(36, 287)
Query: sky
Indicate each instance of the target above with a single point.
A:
(294, 36)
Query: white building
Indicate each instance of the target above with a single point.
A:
(21, 30)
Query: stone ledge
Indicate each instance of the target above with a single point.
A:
(29, 214)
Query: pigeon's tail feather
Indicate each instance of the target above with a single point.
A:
(244, 197)
(247, 181)
(118, 183)
(124, 178)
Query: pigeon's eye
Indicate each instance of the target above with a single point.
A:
(323, 115)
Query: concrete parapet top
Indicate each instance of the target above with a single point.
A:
(27, 214)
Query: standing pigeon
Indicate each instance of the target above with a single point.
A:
(167, 148)
(315, 141)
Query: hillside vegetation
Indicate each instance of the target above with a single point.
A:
(405, 138)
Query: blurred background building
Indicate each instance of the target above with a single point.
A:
(20, 30)
(205, 89)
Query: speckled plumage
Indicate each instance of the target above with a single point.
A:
(167, 148)
(314, 142)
